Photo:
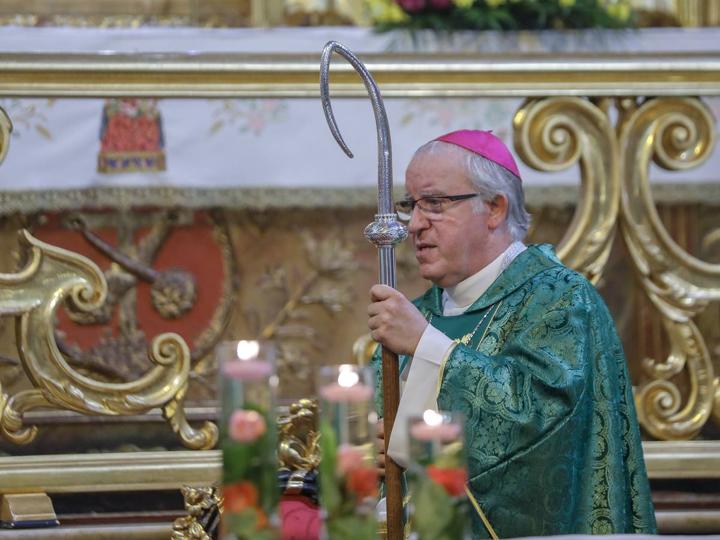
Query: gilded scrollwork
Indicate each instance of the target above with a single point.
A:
(556, 133)
(5, 131)
(50, 277)
(121, 355)
(677, 134)
(202, 438)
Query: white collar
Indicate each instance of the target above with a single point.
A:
(458, 298)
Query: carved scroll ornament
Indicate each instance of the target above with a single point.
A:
(50, 277)
(556, 133)
(676, 134)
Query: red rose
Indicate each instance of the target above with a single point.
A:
(239, 496)
(452, 479)
(243, 496)
(363, 482)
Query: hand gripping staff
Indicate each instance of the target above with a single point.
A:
(384, 233)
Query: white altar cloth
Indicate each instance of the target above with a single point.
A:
(256, 144)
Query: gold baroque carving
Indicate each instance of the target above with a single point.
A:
(202, 362)
(676, 134)
(173, 291)
(324, 285)
(203, 506)
(299, 445)
(51, 276)
(556, 133)
(5, 131)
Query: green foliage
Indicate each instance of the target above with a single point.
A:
(516, 15)
(352, 528)
(329, 491)
(255, 462)
(244, 526)
(436, 515)
(342, 520)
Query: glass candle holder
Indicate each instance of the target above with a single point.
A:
(437, 476)
(349, 479)
(248, 439)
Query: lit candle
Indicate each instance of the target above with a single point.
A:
(434, 428)
(246, 366)
(348, 387)
(335, 392)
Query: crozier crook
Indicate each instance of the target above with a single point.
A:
(384, 233)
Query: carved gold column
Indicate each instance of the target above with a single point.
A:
(5, 131)
(698, 12)
(677, 134)
(267, 12)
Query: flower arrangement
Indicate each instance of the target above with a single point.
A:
(448, 15)
(248, 441)
(348, 488)
(437, 477)
(349, 480)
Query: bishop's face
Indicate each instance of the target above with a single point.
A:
(449, 246)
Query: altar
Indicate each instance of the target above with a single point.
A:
(211, 127)
(193, 168)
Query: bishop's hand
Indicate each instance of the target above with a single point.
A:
(394, 321)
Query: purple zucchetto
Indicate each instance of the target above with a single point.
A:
(485, 144)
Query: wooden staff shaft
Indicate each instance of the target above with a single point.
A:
(393, 472)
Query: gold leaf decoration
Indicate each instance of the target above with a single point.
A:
(51, 276)
(677, 134)
(556, 133)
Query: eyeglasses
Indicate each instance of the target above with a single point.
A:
(432, 206)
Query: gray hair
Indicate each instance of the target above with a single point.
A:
(491, 180)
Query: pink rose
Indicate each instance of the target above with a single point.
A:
(349, 458)
(246, 426)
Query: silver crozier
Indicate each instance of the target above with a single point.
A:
(384, 233)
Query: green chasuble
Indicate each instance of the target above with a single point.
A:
(552, 437)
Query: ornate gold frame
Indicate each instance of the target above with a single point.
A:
(50, 277)
(276, 75)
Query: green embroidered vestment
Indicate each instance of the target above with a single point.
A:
(552, 437)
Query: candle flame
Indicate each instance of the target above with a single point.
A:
(432, 418)
(247, 349)
(348, 376)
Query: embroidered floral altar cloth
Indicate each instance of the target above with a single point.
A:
(75, 145)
